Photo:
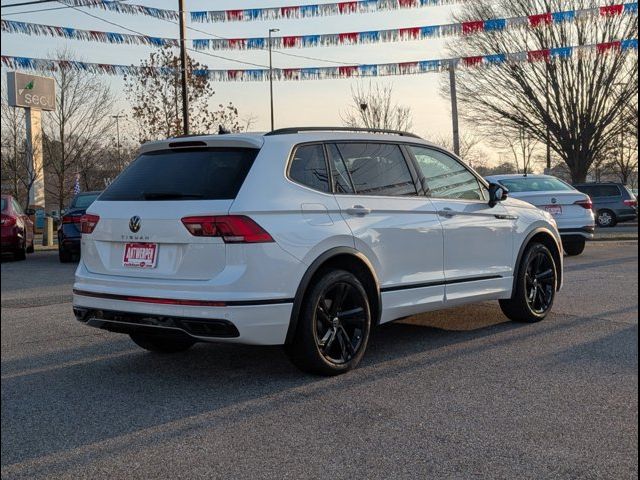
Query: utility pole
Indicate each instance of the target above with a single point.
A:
(548, 132)
(454, 107)
(271, 31)
(183, 68)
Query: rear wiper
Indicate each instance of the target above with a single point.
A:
(169, 195)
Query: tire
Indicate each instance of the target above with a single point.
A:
(606, 219)
(575, 247)
(162, 343)
(535, 287)
(64, 257)
(31, 248)
(21, 253)
(333, 326)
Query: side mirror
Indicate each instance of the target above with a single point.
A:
(30, 212)
(497, 193)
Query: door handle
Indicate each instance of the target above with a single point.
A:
(358, 211)
(447, 213)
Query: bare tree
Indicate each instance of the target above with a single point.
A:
(582, 103)
(17, 177)
(521, 145)
(156, 98)
(471, 150)
(373, 107)
(76, 131)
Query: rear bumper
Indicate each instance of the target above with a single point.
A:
(69, 245)
(255, 323)
(586, 233)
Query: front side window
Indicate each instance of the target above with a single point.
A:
(377, 169)
(309, 168)
(446, 177)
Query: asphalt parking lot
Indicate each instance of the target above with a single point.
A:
(456, 394)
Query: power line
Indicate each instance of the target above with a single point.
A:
(47, 9)
(21, 4)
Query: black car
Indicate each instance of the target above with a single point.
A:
(69, 234)
(612, 202)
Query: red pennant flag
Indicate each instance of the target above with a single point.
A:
(472, 27)
(413, 32)
(290, 73)
(236, 43)
(407, 3)
(289, 42)
(347, 71)
(234, 15)
(540, 19)
(347, 7)
(612, 10)
(233, 74)
(351, 37)
(607, 47)
(539, 55)
(472, 61)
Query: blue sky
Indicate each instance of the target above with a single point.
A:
(317, 102)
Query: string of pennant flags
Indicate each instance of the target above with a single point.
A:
(310, 11)
(265, 13)
(392, 35)
(340, 72)
(413, 33)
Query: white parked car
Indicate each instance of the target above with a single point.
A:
(572, 209)
(306, 238)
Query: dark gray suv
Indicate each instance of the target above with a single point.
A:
(612, 202)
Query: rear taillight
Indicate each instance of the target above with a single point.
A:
(88, 223)
(72, 219)
(7, 221)
(631, 203)
(586, 204)
(231, 228)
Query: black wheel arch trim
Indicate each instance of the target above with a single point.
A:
(525, 244)
(313, 269)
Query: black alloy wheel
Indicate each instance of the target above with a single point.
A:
(333, 325)
(540, 282)
(535, 286)
(340, 322)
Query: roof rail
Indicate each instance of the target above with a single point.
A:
(291, 130)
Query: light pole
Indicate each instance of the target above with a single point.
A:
(621, 86)
(117, 118)
(271, 31)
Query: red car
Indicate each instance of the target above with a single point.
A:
(17, 229)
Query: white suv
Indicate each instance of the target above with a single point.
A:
(306, 238)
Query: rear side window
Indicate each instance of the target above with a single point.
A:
(609, 191)
(185, 174)
(309, 167)
(4, 204)
(377, 169)
(535, 184)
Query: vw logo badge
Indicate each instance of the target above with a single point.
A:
(134, 224)
(554, 200)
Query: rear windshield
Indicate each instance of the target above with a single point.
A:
(84, 201)
(186, 174)
(533, 184)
